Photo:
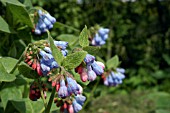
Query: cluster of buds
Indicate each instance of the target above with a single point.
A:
(35, 93)
(91, 69)
(45, 21)
(69, 98)
(70, 105)
(39, 56)
(65, 85)
(114, 78)
(100, 37)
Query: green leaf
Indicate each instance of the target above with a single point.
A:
(28, 3)
(20, 13)
(10, 93)
(27, 71)
(4, 75)
(73, 60)
(15, 2)
(58, 56)
(71, 39)
(92, 50)
(39, 106)
(113, 62)
(4, 27)
(162, 111)
(9, 63)
(83, 38)
(166, 58)
(23, 106)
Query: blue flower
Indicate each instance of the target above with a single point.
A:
(115, 78)
(62, 92)
(45, 22)
(61, 44)
(89, 59)
(96, 68)
(80, 99)
(100, 37)
(64, 52)
(77, 107)
(72, 86)
(91, 74)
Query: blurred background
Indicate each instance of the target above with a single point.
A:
(139, 35)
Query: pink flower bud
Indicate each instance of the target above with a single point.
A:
(84, 75)
(70, 108)
(57, 86)
(34, 65)
(79, 69)
(39, 69)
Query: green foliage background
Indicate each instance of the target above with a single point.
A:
(140, 36)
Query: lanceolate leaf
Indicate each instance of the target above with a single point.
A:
(74, 60)
(92, 49)
(71, 39)
(58, 56)
(83, 38)
(113, 62)
(10, 93)
(27, 71)
(4, 27)
(5, 76)
(20, 13)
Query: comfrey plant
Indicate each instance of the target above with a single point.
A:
(56, 71)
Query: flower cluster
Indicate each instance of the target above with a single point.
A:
(100, 37)
(70, 98)
(92, 69)
(35, 93)
(114, 78)
(71, 105)
(66, 86)
(44, 62)
(45, 22)
(33, 62)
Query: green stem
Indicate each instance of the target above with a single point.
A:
(91, 93)
(68, 26)
(47, 110)
(42, 94)
(16, 65)
(109, 48)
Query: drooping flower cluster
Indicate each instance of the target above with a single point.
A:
(65, 86)
(45, 22)
(35, 93)
(70, 96)
(71, 105)
(91, 69)
(100, 37)
(40, 57)
(114, 78)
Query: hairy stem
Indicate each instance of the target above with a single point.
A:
(47, 110)
(42, 94)
(16, 65)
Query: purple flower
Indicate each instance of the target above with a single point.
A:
(77, 107)
(97, 69)
(91, 74)
(89, 59)
(62, 92)
(72, 86)
(44, 68)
